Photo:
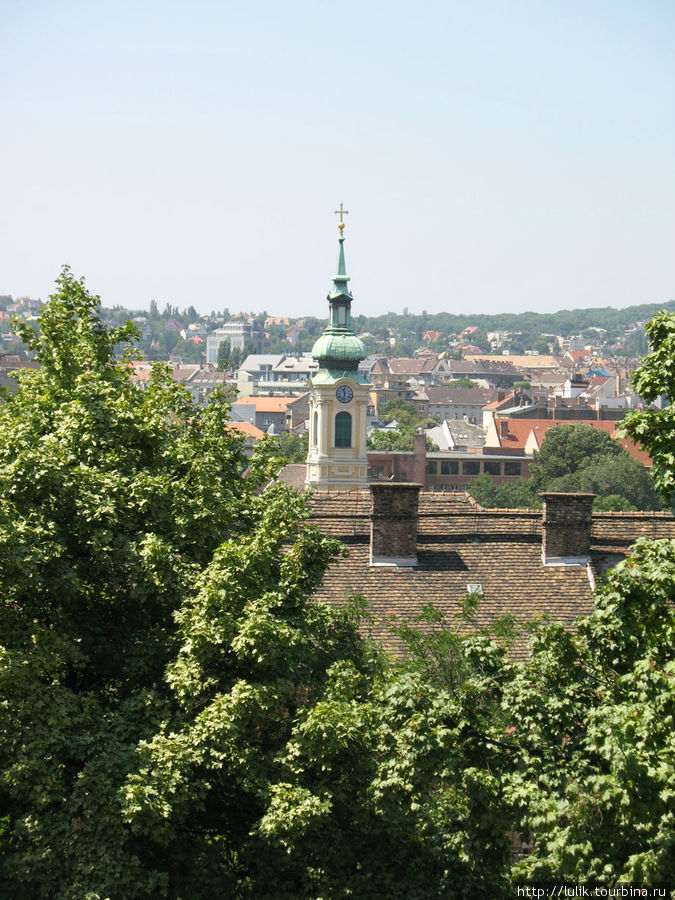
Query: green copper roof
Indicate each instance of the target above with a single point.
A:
(338, 348)
(340, 279)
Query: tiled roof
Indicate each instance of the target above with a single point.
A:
(520, 362)
(520, 430)
(247, 428)
(505, 401)
(461, 396)
(184, 373)
(294, 474)
(473, 365)
(265, 404)
(460, 544)
(403, 366)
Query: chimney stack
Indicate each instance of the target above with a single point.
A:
(566, 520)
(393, 524)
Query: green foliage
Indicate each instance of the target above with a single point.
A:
(566, 449)
(112, 501)
(189, 351)
(224, 355)
(404, 413)
(293, 447)
(401, 438)
(593, 716)
(181, 719)
(463, 382)
(158, 647)
(654, 429)
(583, 458)
(517, 494)
(575, 458)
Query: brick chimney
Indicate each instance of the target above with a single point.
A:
(393, 524)
(503, 428)
(566, 520)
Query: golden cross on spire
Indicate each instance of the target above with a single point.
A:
(341, 212)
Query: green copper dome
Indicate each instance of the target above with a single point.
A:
(338, 348)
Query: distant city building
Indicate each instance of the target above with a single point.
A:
(239, 334)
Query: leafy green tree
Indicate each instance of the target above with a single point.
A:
(401, 410)
(575, 458)
(134, 563)
(235, 358)
(224, 355)
(401, 438)
(463, 382)
(112, 501)
(566, 449)
(189, 351)
(592, 719)
(167, 341)
(179, 717)
(541, 345)
(293, 447)
(618, 475)
(654, 429)
(517, 494)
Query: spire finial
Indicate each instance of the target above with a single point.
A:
(341, 225)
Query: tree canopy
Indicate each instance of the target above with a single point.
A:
(180, 718)
(652, 428)
(576, 458)
(151, 599)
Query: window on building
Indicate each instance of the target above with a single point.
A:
(513, 468)
(470, 467)
(449, 467)
(343, 429)
(267, 422)
(491, 467)
(432, 467)
(315, 430)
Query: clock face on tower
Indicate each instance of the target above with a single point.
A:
(344, 393)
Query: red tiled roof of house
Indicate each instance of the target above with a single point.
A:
(579, 355)
(496, 404)
(266, 404)
(520, 430)
(247, 428)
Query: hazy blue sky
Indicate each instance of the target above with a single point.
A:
(494, 156)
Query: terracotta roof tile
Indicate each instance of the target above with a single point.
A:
(247, 428)
(266, 404)
(459, 543)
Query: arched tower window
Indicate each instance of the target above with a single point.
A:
(315, 429)
(343, 429)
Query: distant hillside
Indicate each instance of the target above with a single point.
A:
(619, 329)
(564, 323)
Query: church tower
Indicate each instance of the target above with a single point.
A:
(338, 400)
